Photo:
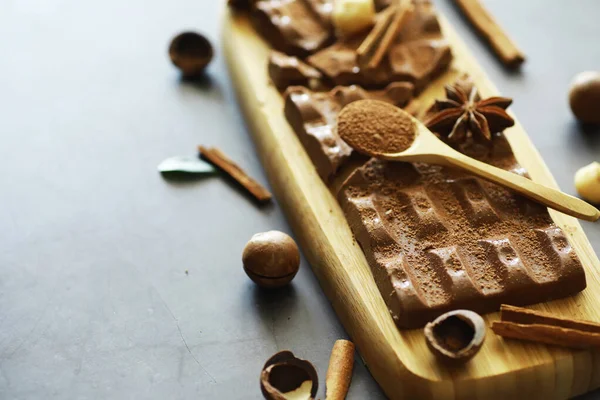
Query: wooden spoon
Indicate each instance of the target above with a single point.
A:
(384, 131)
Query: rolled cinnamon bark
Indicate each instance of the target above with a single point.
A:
(339, 373)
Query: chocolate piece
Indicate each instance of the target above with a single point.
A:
(418, 54)
(323, 9)
(291, 26)
(438, 239)
(288, 71)
(313, 116)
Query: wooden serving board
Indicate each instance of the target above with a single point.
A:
(400, 360)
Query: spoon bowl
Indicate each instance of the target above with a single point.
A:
(383, 131)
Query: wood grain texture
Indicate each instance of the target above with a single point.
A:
(400, 360)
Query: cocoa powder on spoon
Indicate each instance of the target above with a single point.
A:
(374, 127)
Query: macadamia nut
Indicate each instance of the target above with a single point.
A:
(352, 16)
(271, 259)
(587, 182)
(584, 97)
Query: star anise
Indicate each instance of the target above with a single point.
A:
(464, 114)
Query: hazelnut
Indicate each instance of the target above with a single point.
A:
(191, 53)
(271, 259)
(286, 377)
(584, 97)
(352, 16)
(456, 336)
(587, 182)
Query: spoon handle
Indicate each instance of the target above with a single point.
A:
(542, 194)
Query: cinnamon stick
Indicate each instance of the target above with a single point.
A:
(339, 373)
(524, 324)
(219, 159)
(365, 51)
(491, 32)
(377, 43)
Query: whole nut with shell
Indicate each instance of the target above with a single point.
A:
(584, 97)
(271, 259)
(191, 52)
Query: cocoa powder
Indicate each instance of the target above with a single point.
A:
(374, 127)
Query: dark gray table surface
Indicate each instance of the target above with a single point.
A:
(95, 301)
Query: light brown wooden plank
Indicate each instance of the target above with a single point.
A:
(400, 361)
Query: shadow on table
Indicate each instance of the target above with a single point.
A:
(182, 179)
(275, 304)
(588, 133)
(203, 82)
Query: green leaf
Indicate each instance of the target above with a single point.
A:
(189, 164)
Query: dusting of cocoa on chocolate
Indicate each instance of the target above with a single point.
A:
(438, 239)
(313, 116)
(374, 127)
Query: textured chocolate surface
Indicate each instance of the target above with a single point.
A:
(418, 54)
(438, 239)
(323, 9)
(291, 26)
(313, 116)
(286, 71)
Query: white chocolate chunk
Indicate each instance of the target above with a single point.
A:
(352, 16)
(587, 182)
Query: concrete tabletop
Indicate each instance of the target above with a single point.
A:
(117, 283)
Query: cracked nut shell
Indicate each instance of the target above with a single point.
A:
(456, 336)
(271, 259)
(284, 373)
(191, 52)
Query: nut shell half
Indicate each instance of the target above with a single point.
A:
(284, 373)
(456, 336)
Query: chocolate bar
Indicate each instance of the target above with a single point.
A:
(438, 239)
(313, 116)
